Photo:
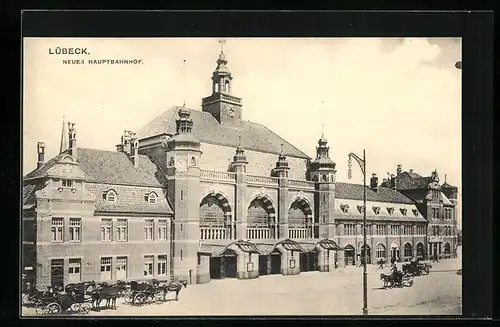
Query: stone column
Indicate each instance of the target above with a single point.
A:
(240, 210)
(269, 266)
(283, 208)
(341, 259)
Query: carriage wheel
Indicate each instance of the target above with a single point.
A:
(39, 308)
(75, 307)
(128, 296)
(139, 298)
(52, 309)
(158, 297)
(410, 283)
(84, 308)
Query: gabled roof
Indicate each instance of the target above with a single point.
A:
(383, 194)
(410, 180)
(207, 129)
(446, 185)
(111, 167)
(28, 189)
(129, 199)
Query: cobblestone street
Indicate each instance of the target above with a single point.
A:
(313, 293)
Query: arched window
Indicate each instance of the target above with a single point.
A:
(152, 198)
(216, 87)
(420, 250)
(408, 250)
(380, 251)
(171, 162)
(227, 87)
(447, 248)
(111, 196)
(211, 211)
(257, 213)
(325, 178)
(193, 161)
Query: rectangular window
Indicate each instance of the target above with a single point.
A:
(148, 265)
(57, 229)
(162, 230)
(106, 268)
(181, 254)
(162, 265)
(74, 270)
(148, 230)
(106, 225)
(437, 213)
(121, 268)
(75, 229)
(380, 230)
(199, 259)
(67, 183)
(121, 230)
(182, 195)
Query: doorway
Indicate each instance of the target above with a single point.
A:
(263, 265)
(230, 264)
(349, 255)
(309, 261)
(57, 272)
(275, 262)
(215, 267)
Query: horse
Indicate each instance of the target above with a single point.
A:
(173, 286)
(108, 293)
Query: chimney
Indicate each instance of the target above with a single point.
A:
(393, 181)
(374, 182)
(72, 140)
(134, 150)
(41, 154)
(399, 170)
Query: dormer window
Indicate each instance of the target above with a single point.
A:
(376, 210)
(344, 208)
(390, 210)
(111, 196)
(361, 209)
(403, 211)
(415, 212)
(152, 198)
(67, 183)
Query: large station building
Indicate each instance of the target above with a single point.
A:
(204, 194)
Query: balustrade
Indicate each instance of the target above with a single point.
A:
(300, 183)
(299, 233)
(259, 233)
(218, 175)
(253, 179)
(217, 233)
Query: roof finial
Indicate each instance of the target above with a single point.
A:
(239, 141)
(281, 153)
(445, 178)
(221, 42)
(64, 137)
(322, 130)
(184, 82)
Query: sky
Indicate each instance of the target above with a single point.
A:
(397, 98)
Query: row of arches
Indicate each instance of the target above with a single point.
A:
(381, 252)
(217, 221)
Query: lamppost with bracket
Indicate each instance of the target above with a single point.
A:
(362, 165)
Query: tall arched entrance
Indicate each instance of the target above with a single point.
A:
(420, 250)
(349, 255)
(395, 250)
(261, 219)
(300, 219)
(216, 221)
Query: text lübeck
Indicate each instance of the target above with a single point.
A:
(104, 62)
(70, 51)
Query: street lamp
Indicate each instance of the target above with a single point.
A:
(362, 165)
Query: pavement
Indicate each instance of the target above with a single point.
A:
(310, 293)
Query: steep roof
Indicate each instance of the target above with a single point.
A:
(27, 191)
(129, 199)
(448, 186)
(207, 129)
(412, 181)
(112, 167)
(383, 194)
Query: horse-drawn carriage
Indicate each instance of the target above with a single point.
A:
(397, 279)
(56, 303)
(417, 268)
(153, 291)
